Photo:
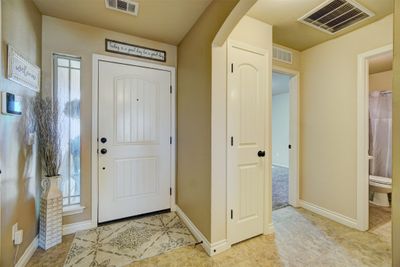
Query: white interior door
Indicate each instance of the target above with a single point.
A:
(246, 142)
(134, 127)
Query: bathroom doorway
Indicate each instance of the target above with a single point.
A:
(380, 143)
(374, 131)
(284, 138)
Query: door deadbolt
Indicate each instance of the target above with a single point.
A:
(103, 140)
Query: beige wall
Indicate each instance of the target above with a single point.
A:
(381, 81)
(194, 115)
(21, 28)
(396, 140)
(328, 117)
(218, 143)
(61, 36)
(257, 34)
(295, 60)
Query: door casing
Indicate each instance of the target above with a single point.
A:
(294, 136)
(95, 105)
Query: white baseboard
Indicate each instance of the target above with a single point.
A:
(218, 247)
(23, 261)
(211, 249)
(279, 165)
(269, 229)
(79, 226)
(334, 216)
(173, 208)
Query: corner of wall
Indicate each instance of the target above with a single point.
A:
(194, 186)
(396, 142)
(22, 28)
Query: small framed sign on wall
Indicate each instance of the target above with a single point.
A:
(135, 50)
(22, 71)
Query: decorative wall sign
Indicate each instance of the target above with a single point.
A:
(135, 50)
(22, 71)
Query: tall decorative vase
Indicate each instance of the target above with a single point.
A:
(50, 230)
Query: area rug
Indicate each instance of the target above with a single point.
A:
(280, 187)
(122, 243)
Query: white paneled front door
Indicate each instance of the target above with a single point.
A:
(247, 85)
(134, 127)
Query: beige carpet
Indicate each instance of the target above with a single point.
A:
(122, 243)
(280, 187)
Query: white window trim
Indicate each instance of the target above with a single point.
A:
(73, 209)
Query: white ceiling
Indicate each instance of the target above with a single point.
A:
(280, 83)
(160, 20)
(381, 63)
(287, 31)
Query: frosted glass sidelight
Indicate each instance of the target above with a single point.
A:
(67, 90)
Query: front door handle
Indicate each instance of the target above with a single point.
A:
(261, 153)
(103, 151)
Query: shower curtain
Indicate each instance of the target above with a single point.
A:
(380, 133)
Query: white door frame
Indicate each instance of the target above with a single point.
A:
(294, 135)
(95, 102)
(363, 135)
(267, 209)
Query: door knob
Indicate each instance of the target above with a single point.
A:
(103, 151)
(261, 153)
(103, 140)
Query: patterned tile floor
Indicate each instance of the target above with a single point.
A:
(119, 244)
(380, 222)
(301, 238)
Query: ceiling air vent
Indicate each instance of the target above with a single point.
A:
(336, 15)
(282, 55)
(125, 6)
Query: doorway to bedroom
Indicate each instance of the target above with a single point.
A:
(285, 135)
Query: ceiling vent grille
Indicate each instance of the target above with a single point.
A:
(336, 15)
(125, 6)
(282, 55)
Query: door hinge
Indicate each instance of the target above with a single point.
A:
(170, 191)
(232, 67)
(231, 214)
(170, 140)
(170, 89)
(231, 140)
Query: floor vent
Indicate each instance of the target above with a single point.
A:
(282, 55)
(336, 15)
(125, 6)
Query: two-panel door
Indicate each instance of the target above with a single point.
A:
(134, 126)
(247, 88)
